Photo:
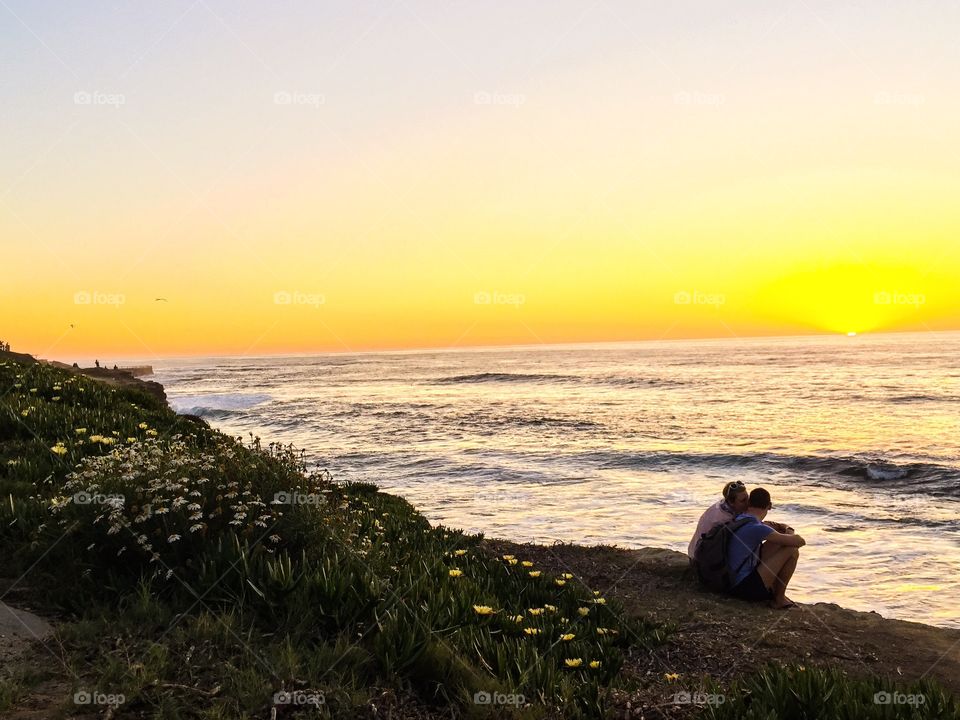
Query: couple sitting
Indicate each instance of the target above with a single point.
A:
(757, 557)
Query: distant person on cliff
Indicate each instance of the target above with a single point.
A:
(761, 559)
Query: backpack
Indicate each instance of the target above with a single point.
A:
(711, 554)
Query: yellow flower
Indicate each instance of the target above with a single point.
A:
(80, 431)
(59, 449)
(672, 676)
(143, 426)
(25, 412)
(508, 557)
(33, 390)
(131, 440)
(583, 611)
(532, 631)
(560, 583)
(55, 398)
(527, 563)
(567, 637)
(107, 440)
(151, 432)
(596, 592)
(96, 438)
(600, 601)
(573, 662)
(512, 561)
(455, 573)
(534, 573)
(594, 664)
(550, 608)
(567, 576)
(535, 611)
(517, 618)
(483, 610)
(459, 553)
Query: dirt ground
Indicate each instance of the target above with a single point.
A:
(710, 637)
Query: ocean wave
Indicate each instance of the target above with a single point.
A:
(488, 377)
(219, 405)
(538, 378)
(919, 398)
(930, 478)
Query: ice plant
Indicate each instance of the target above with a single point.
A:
(455, 573)
(483, 610)
(573, 662)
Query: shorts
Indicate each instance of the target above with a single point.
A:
(752, 589)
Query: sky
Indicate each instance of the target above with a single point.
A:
(203, 177)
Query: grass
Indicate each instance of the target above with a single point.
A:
(199, 576)
(800, 693)
(205, 575)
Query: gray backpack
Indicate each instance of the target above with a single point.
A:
(710, 556)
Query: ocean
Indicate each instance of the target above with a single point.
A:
(855, 437)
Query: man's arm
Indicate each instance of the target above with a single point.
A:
(785, 539)
(779, 527)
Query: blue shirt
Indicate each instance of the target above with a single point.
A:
(745, 547)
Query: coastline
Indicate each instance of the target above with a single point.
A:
(711, 637)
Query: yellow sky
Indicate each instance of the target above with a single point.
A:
(781, 180)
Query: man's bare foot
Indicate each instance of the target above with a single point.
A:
(782, 603)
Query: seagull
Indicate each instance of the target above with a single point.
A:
(160, 300)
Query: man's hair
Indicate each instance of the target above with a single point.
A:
(759, 498)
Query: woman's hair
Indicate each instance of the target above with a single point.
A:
(732, 489)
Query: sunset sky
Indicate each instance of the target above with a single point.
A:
(295, 177)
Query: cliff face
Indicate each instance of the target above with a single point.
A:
(112, 377)
(124, 378)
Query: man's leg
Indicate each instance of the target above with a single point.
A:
(776, 567)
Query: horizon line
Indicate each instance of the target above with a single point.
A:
(516, 346)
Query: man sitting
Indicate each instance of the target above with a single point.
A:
(761, 559)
